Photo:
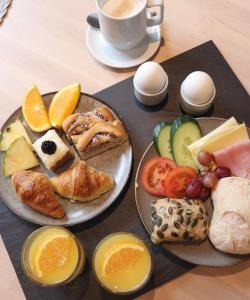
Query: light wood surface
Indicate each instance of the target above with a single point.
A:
(10, 287)
(43, 42)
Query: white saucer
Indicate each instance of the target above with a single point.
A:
(110, 56)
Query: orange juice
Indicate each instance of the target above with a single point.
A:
(52, 255)
(122, 263)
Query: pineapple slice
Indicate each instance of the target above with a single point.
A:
(18, 157)
(14, 131)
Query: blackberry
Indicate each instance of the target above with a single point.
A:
(48, 147)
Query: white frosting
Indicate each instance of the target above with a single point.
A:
(61, 148)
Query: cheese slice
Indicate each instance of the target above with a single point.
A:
(220, 138)
(229, 137)
(229, 123)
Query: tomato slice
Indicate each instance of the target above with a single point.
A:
(154, 173)
(177, 180)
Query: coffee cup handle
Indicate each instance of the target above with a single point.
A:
(157, 18)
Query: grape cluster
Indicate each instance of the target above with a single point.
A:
(202, 186)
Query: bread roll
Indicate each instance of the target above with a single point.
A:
(178, 220)
(230, 225)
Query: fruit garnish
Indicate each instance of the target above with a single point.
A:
(210, 179)
(205, 194)
(222, 172)
(63, 104)
(194, 188)
(18, 157)
(52, 255)
(14, 131)
(48, 147)
(121, 258)
(205, 158)
(34, 110)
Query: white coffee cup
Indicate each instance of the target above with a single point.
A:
(126, 32)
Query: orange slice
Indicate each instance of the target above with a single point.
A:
(63, 104)
(53, 255)
(121, 258)
(34, 110)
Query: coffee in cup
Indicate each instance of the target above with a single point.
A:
(123, 23)
(122, 8)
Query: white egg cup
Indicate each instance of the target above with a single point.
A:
(151, 99)
(195, 109)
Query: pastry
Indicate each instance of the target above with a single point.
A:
(52, 150)
(178, 220)
(82, 183)
(78, 123)
(94, 132)
(230, 225)
(35, 190)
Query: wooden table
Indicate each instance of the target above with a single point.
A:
(43, 42)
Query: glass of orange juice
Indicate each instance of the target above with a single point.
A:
(122, 263)
(52, 256)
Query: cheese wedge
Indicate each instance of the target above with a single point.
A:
(229, 137)
(225, 135)
(229, 123)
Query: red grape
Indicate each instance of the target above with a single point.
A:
(205, 158)
(222, 172)
(205, 194)
(194, 188)
(210, 179)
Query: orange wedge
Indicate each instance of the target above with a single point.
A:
(121, 258)
(34, 110)
(53, 255)
(63, 104)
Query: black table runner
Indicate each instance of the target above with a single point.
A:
(231, 100)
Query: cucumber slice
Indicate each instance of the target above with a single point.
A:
(161, 138)
(184, 131)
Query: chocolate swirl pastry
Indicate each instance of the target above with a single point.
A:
(178, 220)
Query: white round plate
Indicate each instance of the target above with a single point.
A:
(110, 56)
(116, 162)
(200, 254)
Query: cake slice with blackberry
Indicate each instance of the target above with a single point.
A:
(53, 152)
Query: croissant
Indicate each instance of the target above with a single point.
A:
(35, 190)
(82, 183)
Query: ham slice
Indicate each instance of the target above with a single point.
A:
(236, 157)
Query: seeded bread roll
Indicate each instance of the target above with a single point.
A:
(178, 220)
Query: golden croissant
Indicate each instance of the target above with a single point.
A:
(82, 183)
(35, 190)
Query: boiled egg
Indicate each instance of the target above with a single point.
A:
(198, 87)
(150, 78)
